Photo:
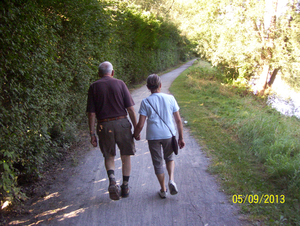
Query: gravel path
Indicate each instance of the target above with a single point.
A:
(79, 195)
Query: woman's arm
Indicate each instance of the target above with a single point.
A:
(139, 127)
(177, 117)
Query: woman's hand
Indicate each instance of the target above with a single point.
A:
(181, 143)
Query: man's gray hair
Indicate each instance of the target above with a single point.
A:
(153, 82)
(105, 68)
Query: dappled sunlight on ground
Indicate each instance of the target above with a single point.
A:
(16, 222)
(102, 180)
(57, 207)
(51, 212)
(72, 214)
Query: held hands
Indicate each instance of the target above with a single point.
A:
(137, 137)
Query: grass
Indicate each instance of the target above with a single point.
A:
(255, 149)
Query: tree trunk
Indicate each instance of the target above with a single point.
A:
(263, 79)
(267, 51)
(273, 77)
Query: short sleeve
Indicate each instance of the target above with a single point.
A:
(128, 101)
(143, 109)
(175, 105)
(90, 101)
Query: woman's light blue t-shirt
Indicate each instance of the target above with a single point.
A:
(165, 105)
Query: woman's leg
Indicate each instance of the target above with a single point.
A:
(170, 169)
(161, 180)
(170, 165)
(157, 160)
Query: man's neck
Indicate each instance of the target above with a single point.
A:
(106, 76)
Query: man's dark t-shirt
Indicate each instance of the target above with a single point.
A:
(108, 98)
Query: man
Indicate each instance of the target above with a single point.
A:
(109, 100)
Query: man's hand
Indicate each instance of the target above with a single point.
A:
(94, 140)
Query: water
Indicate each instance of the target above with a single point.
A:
(289, 107)
(284, 99)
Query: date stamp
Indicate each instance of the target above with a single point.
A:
(259, 199)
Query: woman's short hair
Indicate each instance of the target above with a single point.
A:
(153, 82)
(105, 68)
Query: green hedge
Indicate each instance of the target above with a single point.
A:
(50, 51)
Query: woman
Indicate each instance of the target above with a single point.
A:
(158, 134)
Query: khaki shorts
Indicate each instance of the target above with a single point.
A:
(157, 155)
(115, 132)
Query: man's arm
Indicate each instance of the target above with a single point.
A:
(177, 117)
(132, 116)
(92, 120)
(139, 127)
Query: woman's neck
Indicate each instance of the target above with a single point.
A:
(156, 91)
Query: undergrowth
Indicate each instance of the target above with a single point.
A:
(255, 149)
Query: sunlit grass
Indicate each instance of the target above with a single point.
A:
(255, 149)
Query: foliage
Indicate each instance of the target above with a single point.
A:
(47, 63)
(255, 150)
(288, 52)
(249, 38)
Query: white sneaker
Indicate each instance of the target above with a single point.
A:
(162, 194)
(173, 188)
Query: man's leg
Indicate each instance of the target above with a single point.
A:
(113, 189)
(110, 168)
(126, 170)
(126, 165)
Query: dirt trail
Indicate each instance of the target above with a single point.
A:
(79, 194)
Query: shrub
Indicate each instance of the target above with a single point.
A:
(47, 63)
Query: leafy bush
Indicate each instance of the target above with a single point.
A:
(50, 51)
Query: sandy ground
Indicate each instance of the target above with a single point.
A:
(78, 195)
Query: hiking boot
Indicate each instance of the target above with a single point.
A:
(124, 190)
(173, 188)
(114, 191)
(162, 194)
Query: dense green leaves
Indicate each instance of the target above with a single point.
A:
(247, 38)
(49, 55)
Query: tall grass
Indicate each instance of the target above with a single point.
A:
(255, 149)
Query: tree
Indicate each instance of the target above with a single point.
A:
(247, 37)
